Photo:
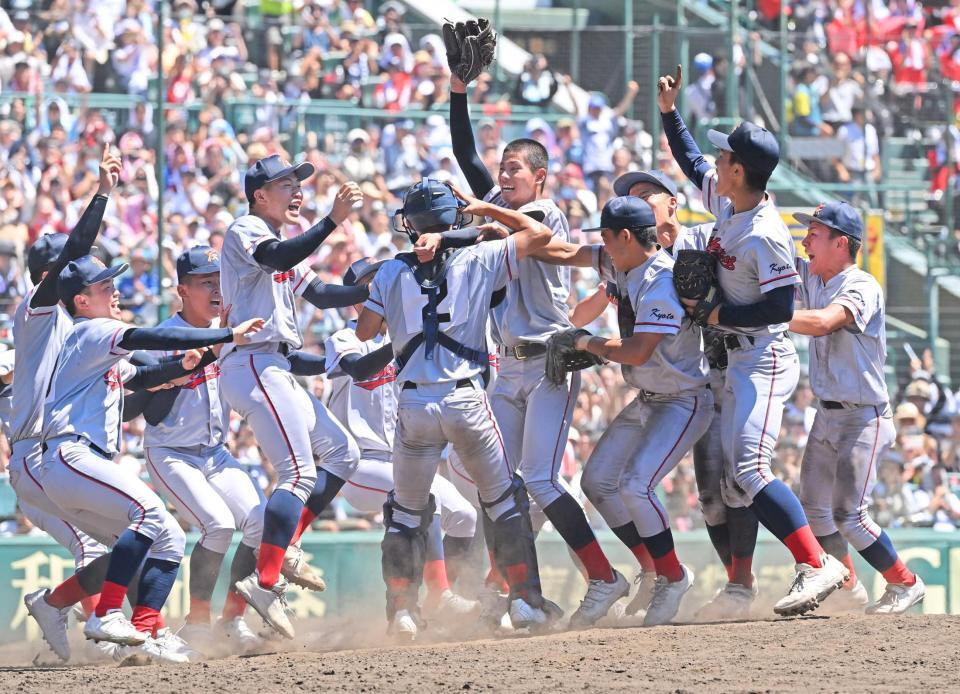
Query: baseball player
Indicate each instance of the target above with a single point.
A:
(262, 273)
(661, 355)
(732, 529)
(844, 316)
(533, 413)
(438, 339)
(363, 397)
(81, 434)
(756, 267)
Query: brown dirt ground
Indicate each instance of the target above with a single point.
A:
(852, 653)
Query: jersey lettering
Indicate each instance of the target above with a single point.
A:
(729, 262)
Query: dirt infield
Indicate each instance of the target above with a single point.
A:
(914, 653)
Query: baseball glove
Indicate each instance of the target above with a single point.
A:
(470, 46)
(695, 277)
(715, 348)
(563, 356)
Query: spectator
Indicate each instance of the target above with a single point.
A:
(860, 161)
(598, 128)
(805, 101)
(536, 85)
(699, 93)
(845, 90)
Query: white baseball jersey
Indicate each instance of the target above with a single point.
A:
(678, 362)
(754, 250)
(86, 393)
(367, 408)
(38, 335)
(472, 274)
(535, 306)
(258, 291)
(198, 415)
(847, 365)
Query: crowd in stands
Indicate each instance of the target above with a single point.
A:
(51, 141)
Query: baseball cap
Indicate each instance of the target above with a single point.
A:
(84, 272)
(270, 169)
(624, 183)
(839, 216)
(199, 260)
(597, 100)
(626, 212)
(754, 146)
(44, 251)
(361, 272)
(702, 62)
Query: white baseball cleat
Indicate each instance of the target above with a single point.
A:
(52, 621)
(114, 627)
(163, 649)
(898, 598)
(202, 638)
(523, 615)
(733, 601)
(666, 598)
(104, 651)
(644, 582)
(296, 570)
(600, 597)
(811, 586)
(451, 606)
(403, 627)
(269, 603)
(239, 635)
(847, 600)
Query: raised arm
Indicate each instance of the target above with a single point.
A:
(682, 145)
(464, 145)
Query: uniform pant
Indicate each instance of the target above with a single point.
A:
(24, 468)
(291, 425)
(534, 416)
(367, 491)
(759, 381)
(638, 449)
(839, 471)
(209, 489)
(103, 499)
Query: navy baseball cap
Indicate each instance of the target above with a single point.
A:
(839, 216)
(624, 183)
(754, 146)
(361, 272)
(270, 169)
(85, 272)
(626, 212)
(44, 251)
(199, 260)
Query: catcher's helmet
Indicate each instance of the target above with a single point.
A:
(426, 205)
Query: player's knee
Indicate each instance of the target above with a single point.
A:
(217, 536)
(852, 524)
(544, 492)
(252, 527)
(597, 486)
(171, 541)
(461, 522)
(712, 506)
(298, 480)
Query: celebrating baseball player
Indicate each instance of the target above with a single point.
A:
(438, 340)
(262, 274)
(843, 314)
(753, 257)
(732, 529)
(660, 350)
(533, 413)
(81, 434)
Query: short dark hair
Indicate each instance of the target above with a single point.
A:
(533, 152)
(853, 245)
(756, 180)
(645, 236)
(71, 305)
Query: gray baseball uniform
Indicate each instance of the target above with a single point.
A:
(853, 425)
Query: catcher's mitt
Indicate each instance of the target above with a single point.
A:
(715, 348)
(695, 277)
(563, 357)
(470, 46)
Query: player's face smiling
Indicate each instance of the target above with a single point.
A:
(518, 182)
(824, 252)
(656, 197)
(100, 300)
(281, 201)
(201, 298)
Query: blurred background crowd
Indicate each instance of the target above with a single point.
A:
(238, 91)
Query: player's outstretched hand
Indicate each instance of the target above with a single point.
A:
(191, 359)
(347, 198)
(110, 166)
(243, 332)
(426, 246)
(668, 89)
(491, 232)
(474, 206)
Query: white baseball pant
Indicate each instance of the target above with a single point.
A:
(104, 499)
(209, 489)
(839, 471)
(24, 469)
(638, 449)
(291, 425)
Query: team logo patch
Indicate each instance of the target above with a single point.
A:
(213, 256)
(201, 376)
(387, 375)
(727, 262)
(112, 379)
(281, 277)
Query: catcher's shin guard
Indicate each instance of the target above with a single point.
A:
(513, 542)
(404, 551)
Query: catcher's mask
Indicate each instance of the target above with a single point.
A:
(427, 205)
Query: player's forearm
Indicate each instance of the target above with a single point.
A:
(632, 351)
(153, 375)
(286, 255)
(684, 148)
(307, 364)
(465, 147)
(820, 322)
(169, 338)
(775, 307)
(362, 368)
(159, 405)
(591, 308)
(323, 295)
(459, 238)
(135, 403)
(558, 252)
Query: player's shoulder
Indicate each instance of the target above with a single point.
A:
(174, 321)
(862, 278)
(248, 223)
(553, 216)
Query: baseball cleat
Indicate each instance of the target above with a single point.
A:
(240, 636)
(269, 603)
(403, 626)
(666, 598)
(52, 622)
(494, 606)
(898, 598)
(600, 597)
(645, 582)
(296, 570)
(450, 606)
(202, 639)
(523, 615)
(161, 650)
(114, 627)
(847, 600)
(733, 601)
(104, 651)
(811, 586)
